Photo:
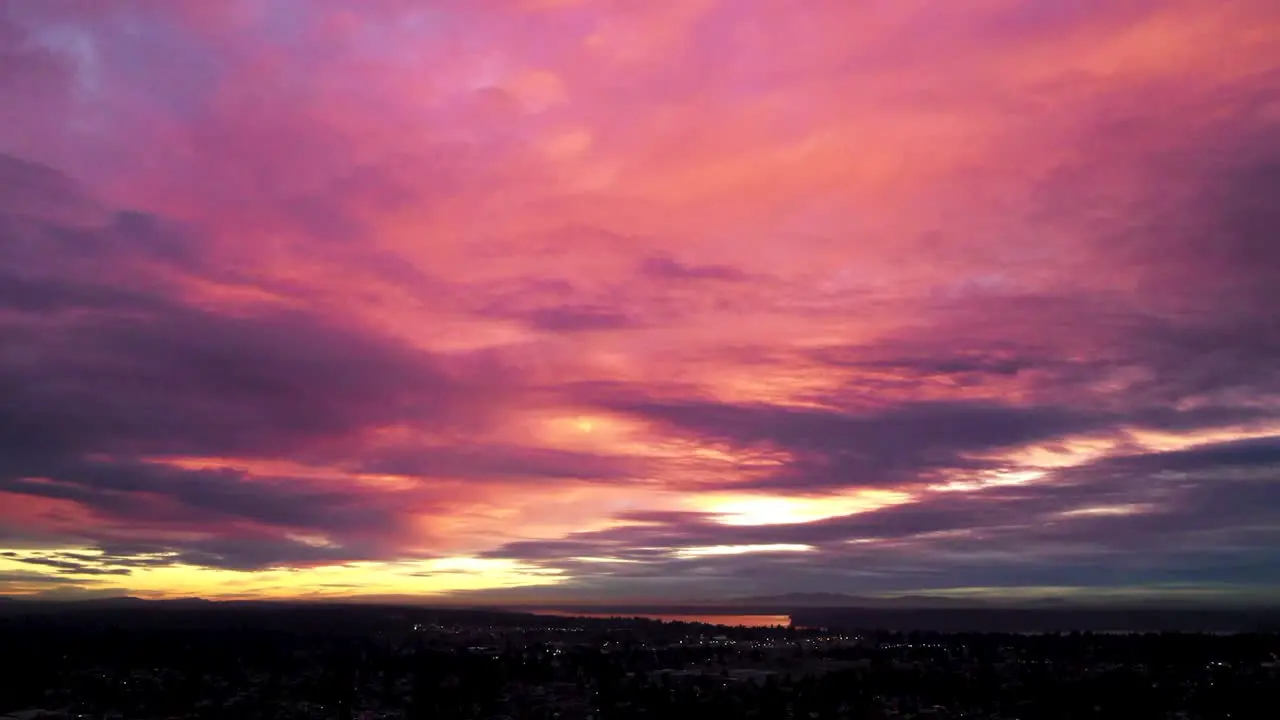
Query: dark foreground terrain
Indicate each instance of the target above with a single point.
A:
(246, 661)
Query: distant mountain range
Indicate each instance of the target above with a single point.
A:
(909, 612)
(835, 600)
(123, 602)
(106, 601)
(942, 602)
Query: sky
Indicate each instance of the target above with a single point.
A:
(619, 300)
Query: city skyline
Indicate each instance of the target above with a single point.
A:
(592, 301)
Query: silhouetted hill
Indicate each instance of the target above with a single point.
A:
(805, 610)
(274, 616)
(1038, 620)
(836, 600)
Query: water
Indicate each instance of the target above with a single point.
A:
(710, 619)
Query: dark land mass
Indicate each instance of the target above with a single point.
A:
(363, 617)
(979, 619)
(330, 619)
(1018, 620)
(831, 600)
(128, 658)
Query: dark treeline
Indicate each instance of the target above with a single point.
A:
(95, 663)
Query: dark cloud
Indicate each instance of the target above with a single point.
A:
(667, 268)
(217, 519)
(104, 366)
(60, 565)
(946, 426)
(832, 448)
(183, 380)
(931, 362)
(1185, 321)
(1261, 452)
(1179, 352)
(32, 191)
(65, 567)
(941, 563)
(132, 560)
(257, 551)
(1187, 517)
(36, 579)
(151, 493)
(105, 362)
(228, 547)
(41, 296)
(39, 76)
(577, 318)
(1231, 255)
(1198, 247)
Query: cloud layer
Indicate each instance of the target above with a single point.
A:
(592, 299)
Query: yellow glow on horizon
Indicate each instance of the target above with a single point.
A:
(415, 577)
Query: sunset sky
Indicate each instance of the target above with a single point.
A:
(639, 300)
